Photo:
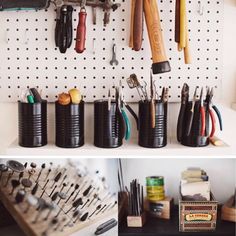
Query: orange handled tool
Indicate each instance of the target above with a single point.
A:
(81, 31)
(160, 60)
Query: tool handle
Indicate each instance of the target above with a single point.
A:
(219, 116)
(213, 123)
(153, 115)
(69, 26)
(187, 54)
(63, 31)
(131, 37)
(203, 121)
(177, 21)
(189, 123)
(154, 31)
(81, 32)
(180, 122)
(138, 25)
(183, 23)
(131, 111)
(127, 125)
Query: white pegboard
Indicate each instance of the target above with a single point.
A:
(29, 58)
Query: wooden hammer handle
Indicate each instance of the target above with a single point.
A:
(154, 31)
(138, 25)
(131, 38)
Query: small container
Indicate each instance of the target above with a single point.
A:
(32, 124)
(70, 125)
(136, 221)
(107, 125)
(197, 216)
(152, 137)
(195, 139)
(155, 188)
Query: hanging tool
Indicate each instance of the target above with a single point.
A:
(131, 37)
(138, 25)
(181, 29)
(184, 102)
(152, 102)
(81, 29)
(160, 60)
(105, 226)
(190, 118)
(63, 37)
(177, 21)
(203, 114)
(114, 61)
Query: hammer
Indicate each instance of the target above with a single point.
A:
(159, 58)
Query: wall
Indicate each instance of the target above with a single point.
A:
(8, 119)
(222, 173)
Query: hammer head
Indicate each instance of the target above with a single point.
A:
(161, 67)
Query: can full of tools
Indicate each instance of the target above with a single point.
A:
(194, 139)
(32, 124)
(70, 125)
(107, 125)
(155, 188)
(150, 137)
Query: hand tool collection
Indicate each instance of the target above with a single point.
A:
(206, 106)
(181, 29)
(72, 97)
(133, 82)
(135, 199)
(31, 95)
(64, 25)
(54, 200)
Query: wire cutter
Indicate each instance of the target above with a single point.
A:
(203, 114)
(212, 107)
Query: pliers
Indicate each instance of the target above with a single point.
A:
(203, 114)
(212, 107)
(190, 120)
(184, 101)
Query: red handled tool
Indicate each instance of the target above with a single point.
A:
(81, 29)
(203, 115)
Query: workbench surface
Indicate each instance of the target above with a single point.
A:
(161, 227)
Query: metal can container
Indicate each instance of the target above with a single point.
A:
(155, 188)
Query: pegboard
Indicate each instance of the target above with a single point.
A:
(29, 57)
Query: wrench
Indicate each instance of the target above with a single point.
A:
(114, 60)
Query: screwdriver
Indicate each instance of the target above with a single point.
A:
(81, 29)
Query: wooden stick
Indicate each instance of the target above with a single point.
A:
(177, 21)
(131, 38)
(187, 54)
(182, 23)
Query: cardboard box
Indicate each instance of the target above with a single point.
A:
(197, 216)
(160, 209)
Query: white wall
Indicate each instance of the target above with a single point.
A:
(8, 118)
(221, 172)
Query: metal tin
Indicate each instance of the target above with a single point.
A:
(155, 188)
